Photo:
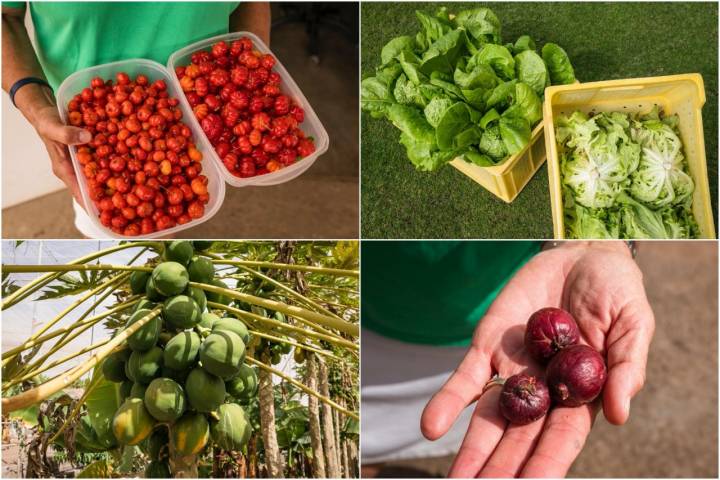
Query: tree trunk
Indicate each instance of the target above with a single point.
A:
(267, 422)
(353, 459)
(318, 460)
(344, 457)
(338, 445)
(182, 466)
(331, 454)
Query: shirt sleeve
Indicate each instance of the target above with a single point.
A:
(13, 4)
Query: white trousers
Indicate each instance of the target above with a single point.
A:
(397, 381)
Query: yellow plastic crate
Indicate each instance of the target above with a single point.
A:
(683, 95)
(506, 180)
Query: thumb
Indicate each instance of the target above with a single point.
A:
(628, 345)
(51, 127)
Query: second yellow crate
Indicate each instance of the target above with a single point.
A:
(683, 95)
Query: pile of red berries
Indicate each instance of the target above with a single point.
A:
(142, 167)
(236, 97)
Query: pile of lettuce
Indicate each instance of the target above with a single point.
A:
(454, 90)
(624, 176)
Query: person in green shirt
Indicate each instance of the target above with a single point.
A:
(70, 36)
(441, 318)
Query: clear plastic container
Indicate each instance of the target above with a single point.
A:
(74, 84)
(311, 125)
(683, 95)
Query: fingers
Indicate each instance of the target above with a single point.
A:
(51, 127)
(628, 345)
(512, 452)
(63, 169)
(461, 389)
(561, 441)
(485, 431)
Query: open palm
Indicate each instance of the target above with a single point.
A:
(601, 286)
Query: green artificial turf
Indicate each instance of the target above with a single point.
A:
(604, 41)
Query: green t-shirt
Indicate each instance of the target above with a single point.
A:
(71, 36)
(435, 293)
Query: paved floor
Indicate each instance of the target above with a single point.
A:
(673, 427)
(322, 203)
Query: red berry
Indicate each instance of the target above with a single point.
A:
(236, 48)
(298, 113)
(196, 209)
(239, 99)
(290, 140)
(201, 86)
(260, 121)
(267, 61)
(199, 57)
(282, 105)
(247, 169)
(220, 49)
(271, 145)
(305, 147)
(239, 75)
(219, 77)
(212, 126)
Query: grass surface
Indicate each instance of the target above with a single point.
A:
(605, 41)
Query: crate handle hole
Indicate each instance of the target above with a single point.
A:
(620, 89)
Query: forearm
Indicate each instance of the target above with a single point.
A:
(252, 17)
(19, 61)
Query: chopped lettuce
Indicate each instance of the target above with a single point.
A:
(624, 176)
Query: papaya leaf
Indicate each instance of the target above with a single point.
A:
(97, 469)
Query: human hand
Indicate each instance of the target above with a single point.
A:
(57, 137)
(601, 286)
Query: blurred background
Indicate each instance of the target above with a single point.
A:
(318, 44)
(673, 426)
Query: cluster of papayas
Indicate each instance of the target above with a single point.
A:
(183, 373)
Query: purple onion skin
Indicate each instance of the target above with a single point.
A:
(576, 375)
(524, 399)
(548, 331)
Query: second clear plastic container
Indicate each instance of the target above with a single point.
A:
(74, 84)
(311, 126)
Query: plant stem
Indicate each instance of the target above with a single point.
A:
(295, 344)
(60, 361)
(303, 388)
(324, 320)
(287, 266)
(41, 392)
(290, 291)
(71, 268)
(292, 328)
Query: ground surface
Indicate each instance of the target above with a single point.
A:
(673, 427)
(605, 41)
(322, 203)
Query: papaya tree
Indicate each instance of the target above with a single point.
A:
(204, 371)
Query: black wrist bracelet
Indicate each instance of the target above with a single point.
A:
(25, 81)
